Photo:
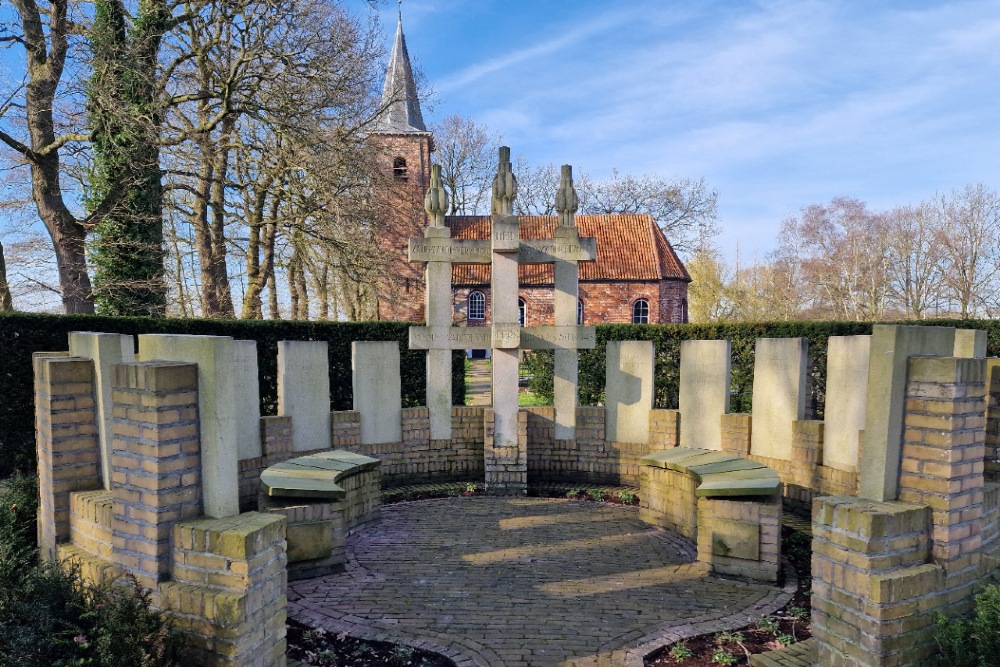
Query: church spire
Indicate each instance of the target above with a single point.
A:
(401, 108)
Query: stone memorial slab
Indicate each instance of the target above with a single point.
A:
(891, 346)
(629, 391)
(106, 350)
(846, 384)
(217, 396)
(704, 392)
(970, 343)
(377, 391)
(779, 394)
(248, 399)
(304, 392)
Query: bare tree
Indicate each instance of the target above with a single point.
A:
(914, 267)
(685, 209)
(6, 302)
(466, 152)
(969, 240)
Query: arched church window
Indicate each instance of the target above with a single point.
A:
(399, 169)
(640, 312)
(477, 306)
(522, 312)
(579, 312)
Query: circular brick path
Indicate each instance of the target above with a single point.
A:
(528, 581)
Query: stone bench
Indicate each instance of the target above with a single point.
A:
(325, 496)
(729, 506)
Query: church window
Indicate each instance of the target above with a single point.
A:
(579, 312)
(684, 311)
(477, 306)
(522, 312)
(640, 312)
(399, 169)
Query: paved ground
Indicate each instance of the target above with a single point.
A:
(532, 581)
(479, 391)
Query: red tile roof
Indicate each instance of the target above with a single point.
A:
(630, 246)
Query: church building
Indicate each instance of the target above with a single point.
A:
(637, 277)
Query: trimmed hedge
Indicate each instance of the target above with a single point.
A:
(21, 334)
(667, 343)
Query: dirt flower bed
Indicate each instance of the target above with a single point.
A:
(326, 649)
(783, 628)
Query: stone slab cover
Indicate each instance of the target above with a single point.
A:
(891, 346)
(304, 392)
(217, 397)
(106, 350)
(248, 404)
(779, 394)
(846, 384)
(704, 392)
(377, 391)
(629, 393)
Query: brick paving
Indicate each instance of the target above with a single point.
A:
(526, 582)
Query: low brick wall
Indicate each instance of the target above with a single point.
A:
(667, 500)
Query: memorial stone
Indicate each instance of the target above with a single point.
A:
(970, 343)
(217, 397)
(304, 392)
(847, 360)
(629, 391)
(779, 394)
(377, 391)
(704, 392)
(248, 401)
(891, 346)
(106, 350)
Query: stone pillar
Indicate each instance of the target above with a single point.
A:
(66, 439)
(873, 589)
(155, 463)
(846, 381)
(217, 413)
(943, 450)
(509, 457)
(506, 465)
(248, 434)
(227, 596)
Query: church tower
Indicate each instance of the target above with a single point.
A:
(403, 146)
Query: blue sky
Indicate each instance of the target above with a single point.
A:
(777, 104)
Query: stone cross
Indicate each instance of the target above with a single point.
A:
(564, 251)
(438, 250)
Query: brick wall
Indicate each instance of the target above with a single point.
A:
(667, 500)
(401, 284)
(736, 433)
(993, 419)
(603, 303)
(664, 429)
(506, 468)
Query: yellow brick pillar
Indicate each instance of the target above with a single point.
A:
(66, 441)
(736, 428)
(155, 463)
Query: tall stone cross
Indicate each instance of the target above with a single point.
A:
(505, 250)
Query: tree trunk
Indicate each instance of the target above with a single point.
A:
(6, 303)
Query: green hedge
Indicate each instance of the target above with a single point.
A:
(667, 342)
(24, 333)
